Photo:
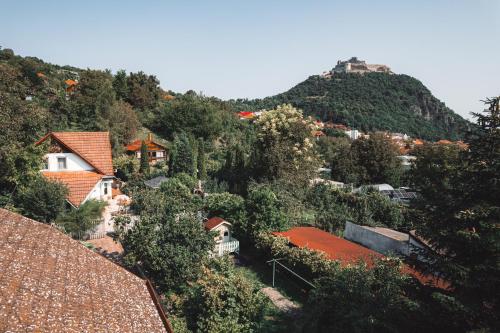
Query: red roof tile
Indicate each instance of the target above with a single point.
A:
(214, 222)
(136, 145)
(347, 252)
(52, 283)
(93, 147)
(79, 183)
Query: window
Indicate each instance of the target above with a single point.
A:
(46, 163)
(105, 188)
(159, 154)
(61, 163)
(226, 233)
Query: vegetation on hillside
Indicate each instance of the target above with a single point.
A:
(370, 102)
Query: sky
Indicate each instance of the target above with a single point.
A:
(253, 49)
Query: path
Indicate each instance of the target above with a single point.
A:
(281, 302)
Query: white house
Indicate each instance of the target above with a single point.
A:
(82, 161)
(224, 242)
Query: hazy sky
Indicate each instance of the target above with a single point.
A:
(256, 48)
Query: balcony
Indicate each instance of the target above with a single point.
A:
(230, 246)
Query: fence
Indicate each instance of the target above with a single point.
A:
(232, 246)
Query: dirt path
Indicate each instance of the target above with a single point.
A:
(281, 302)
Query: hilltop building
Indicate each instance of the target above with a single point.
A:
(354, 65)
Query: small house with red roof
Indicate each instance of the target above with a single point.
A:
(224, 242)
(82, 161)
(156, 152)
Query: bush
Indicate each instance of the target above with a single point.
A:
(83, 218)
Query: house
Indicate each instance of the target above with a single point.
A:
(346, 252)
(82, 161)
(224, 242)
(52, 283)
(156, 152)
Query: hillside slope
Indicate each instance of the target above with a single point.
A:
(373, 101)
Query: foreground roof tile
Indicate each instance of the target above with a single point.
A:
(52, 283)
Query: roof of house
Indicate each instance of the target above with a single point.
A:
(334, 247)
(93, 147)
(136, 145)
(52, 283)
(214, 222)
(155, 182)
(79, 183)
(347, 252)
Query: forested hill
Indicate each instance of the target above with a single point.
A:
(373, 101)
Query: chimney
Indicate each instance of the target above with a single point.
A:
(150, 136)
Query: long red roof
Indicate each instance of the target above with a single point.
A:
(346, 252)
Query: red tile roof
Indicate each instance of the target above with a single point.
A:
(93, 147)
(136, 145)
(79, 183)
(334, 247)
(214, 222)
(52, 283)
(346, 252)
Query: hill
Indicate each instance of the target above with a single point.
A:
(371, 101)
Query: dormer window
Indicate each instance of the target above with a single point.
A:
(61, 163)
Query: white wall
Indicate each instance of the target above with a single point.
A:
(97, 192)
(221, 229)
(73, 162)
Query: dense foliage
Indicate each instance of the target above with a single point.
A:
(369, 102)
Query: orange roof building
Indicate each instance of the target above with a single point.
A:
(52, 283)
(346, 252)
(156, 151)
(82, 161)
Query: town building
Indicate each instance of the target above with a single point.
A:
(224, 242)
(82, 161)
(52, 283)
(156, 152)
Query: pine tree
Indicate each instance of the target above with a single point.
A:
(202, 170)
(184, 159)
(144, 165)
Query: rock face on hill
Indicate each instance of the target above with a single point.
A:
(372, 101)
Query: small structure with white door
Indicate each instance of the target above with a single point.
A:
(224, 242)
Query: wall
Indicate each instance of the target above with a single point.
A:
(97, 192)
(221, 229)
(376, 241)
(73, 162)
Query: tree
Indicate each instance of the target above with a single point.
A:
(370, 160)
(230, 207)
(202, 169)
(143, 90)
(126, 167)
(182, 157)
(120, 84)
(224, 300)
(463, 226)
(83, 218)
(144, 162)
(264, 211)
(170, 249)
(286, 145)
(42, 200)
(123, 123)
(200, 116)
(361, 299)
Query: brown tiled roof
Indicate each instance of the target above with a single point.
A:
(79, 183)
(52, 283)
(93, 147)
